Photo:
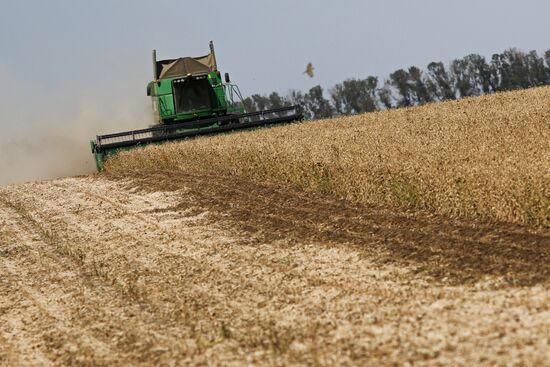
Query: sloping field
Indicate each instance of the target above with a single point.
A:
(208, 269)
(421, 237)
(481, 158)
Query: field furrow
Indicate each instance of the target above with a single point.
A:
(197, 268)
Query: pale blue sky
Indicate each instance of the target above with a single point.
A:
(265, 45)
(71, 69)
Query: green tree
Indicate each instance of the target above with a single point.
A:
(249, 105)
(399, 79)
(317, 105)
(385, 95)
(276, 101)
(547, 61)
(355, 96)
(440, 83)
(261, 102)
(418, 86)
(512, 69)
(297, 98)
(537, 69)
(472, 75)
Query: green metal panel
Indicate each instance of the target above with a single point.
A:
(166, 106)
(162, 91)
(163, 86)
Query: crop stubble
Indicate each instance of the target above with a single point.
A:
(129, 268)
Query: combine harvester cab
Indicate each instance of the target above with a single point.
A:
(190, 99)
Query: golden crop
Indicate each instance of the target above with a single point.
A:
(481, 158)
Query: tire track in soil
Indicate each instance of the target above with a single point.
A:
(137, 335)
(65, 341)
(132, 337)
(116, 205)
(448, 250)
(266, 262)
(51, 308)
(241, 284)
(22, 346)
(320, 288)
(28, 194)
(306, 279)
(17, 345)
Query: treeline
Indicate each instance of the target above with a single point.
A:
(472, 75)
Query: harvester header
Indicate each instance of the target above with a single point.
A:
(189, 99)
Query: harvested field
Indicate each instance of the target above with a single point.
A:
(208, 269)
(485, 158)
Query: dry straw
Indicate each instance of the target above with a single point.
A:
(480, 158)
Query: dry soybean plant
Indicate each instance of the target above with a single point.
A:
(480, 158)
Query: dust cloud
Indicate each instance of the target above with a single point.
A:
(47, 135)
(59, 148)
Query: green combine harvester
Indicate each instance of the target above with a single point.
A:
(190, 99)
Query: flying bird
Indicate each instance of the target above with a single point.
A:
(309, 70)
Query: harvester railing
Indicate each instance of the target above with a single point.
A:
(207, 126)
(231, 91)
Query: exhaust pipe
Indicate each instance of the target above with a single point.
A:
(155, 75)
(213, 55)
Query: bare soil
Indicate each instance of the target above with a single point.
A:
(194, 269)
